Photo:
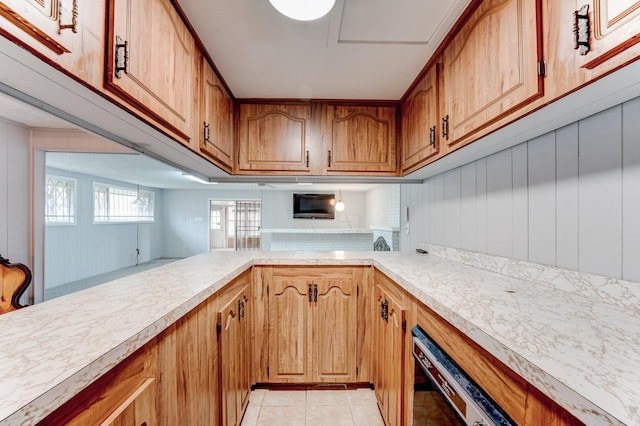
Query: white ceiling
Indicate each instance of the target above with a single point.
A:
(363, 49)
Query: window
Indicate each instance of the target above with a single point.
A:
(216, 224)
(60, 202)
(114, 204)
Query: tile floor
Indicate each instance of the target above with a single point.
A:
(312, 408)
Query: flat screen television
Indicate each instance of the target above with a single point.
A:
(314, 206)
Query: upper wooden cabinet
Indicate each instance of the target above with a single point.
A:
(359, 139)
(420, 112)
(150, 57)
(615, 27)
(54, 23)
(312, 324)
(274, 138)
(490, 68)
(216, 118)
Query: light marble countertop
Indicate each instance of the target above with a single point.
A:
(581, 352)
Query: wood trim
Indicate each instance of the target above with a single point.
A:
(612, 52)
(35, 32)
(337, 102)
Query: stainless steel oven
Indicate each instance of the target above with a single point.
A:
(444, 394)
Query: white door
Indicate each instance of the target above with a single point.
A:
(217, 237)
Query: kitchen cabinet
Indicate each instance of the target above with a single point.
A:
(614, 28)
(420, 113)
(274, 138)
(312, 324)
(150, 57)
(490, 68)
(233, 329)
(359, 139)
(389, 329)
(53, 23)
(216, 118)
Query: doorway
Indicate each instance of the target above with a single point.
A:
(235, 225)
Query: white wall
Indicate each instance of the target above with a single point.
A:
(383, 206)
(74, 252)
(15, 192)
(570, 198)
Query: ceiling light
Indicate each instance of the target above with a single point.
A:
(303, 10)
(340, 204)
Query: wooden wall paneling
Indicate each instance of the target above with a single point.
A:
(500, 204)
(542, 199)
(452, 213)
(520, 202)
(600, 193)
(481, 199)
(631, 190)
(567, 197)
(364, 345)
(261, 276)
(468, 207)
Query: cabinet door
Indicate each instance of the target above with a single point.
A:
(290, 329)
(490, 68)
(615, 27)
(54, 23)
(360, 139)
(150, 61)
(420, 119)
(229, 345)
(138, 409)
(274, 138)
(216, 118)
(334, 316)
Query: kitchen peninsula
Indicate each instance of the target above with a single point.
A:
(580, 351)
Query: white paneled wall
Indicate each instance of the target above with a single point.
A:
(569, 198)
(15, 192)
(74, 252)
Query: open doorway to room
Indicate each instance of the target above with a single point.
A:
(235, 225)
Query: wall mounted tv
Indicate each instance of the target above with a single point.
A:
(314, 206)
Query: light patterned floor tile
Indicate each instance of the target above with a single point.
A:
(361, 397)
(278, 398)
(327, 397)
(282, 416)
(366, 415)
(257, 396)
(251, 415)
(329, 415)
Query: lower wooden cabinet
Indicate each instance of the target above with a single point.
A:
(389, 329)
(312, 324)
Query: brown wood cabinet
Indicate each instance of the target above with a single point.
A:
(274, 138)
(233, 329)
(420, 114)
(312, 318)
(615, 27)
(359, 139)
(216, 118)
(53, 23)
(490, 68)
(150, 57)
(389, 330)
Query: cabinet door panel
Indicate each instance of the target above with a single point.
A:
(420, 119)
(138, 409)
(289, 331)
(229, 342)
(159, 70)
(490, 67)
(335, 330)
(274, 138)
(360, 139)
(54, 23)
(615, 28)
(216, 118)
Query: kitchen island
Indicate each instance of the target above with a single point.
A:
(580, 351)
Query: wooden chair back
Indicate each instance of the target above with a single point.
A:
(14, 280)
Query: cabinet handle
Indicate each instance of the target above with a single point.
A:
(122, 56)
(74, 17)
(581, 30)
(432, 136)
(240, 309)
(315, 293)
(445, 127)
(307, 160)
(206, 132)
(384, 310)
(310, 293)
(329, 158)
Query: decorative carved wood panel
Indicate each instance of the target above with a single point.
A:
(490, 68)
